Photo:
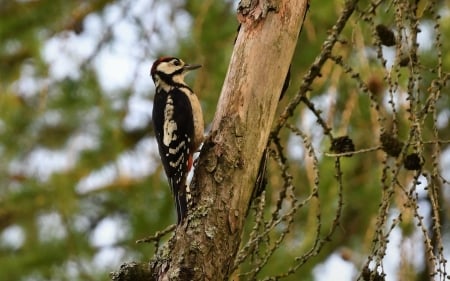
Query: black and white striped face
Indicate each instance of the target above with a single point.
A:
(169, 71)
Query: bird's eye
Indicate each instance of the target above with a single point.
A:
(176, 63)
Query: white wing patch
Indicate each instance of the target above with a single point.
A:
(169, 124)
(180, 159)
(177, 149)
(177, 163)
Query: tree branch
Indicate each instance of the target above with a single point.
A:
(205, 245)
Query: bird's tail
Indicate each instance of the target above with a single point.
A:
(177, 183)
(180, 203)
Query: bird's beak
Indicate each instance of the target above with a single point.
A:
(188, 67)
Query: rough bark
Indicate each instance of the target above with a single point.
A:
(205, 245)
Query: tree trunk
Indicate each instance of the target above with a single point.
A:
(205, 245)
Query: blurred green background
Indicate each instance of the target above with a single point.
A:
(80, 176)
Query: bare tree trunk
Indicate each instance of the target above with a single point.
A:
(204, 247)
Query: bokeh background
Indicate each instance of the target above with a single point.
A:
(80, 176)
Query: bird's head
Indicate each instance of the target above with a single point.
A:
(170, 70)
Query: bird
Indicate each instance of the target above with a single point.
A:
(178, 125)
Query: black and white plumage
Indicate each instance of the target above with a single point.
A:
(178, 123)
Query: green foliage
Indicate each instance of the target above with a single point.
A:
(60, 136)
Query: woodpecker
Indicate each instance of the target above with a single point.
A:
(178, 124)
